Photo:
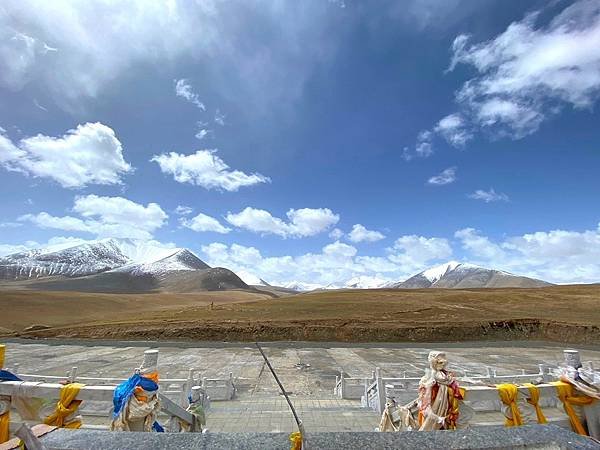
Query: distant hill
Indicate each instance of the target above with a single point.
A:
(460, 275)
(115, 265)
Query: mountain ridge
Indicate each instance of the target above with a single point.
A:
(115, 265)
(457, 275)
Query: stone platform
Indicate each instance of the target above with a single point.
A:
(307, 370)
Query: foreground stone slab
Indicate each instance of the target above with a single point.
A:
(529, 436)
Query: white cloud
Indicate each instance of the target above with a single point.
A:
(452, 128)
(9, 249)
(219, 117)
(336, 234)
(89, 154)
(446, 177)
(202, 222)
(528, 66)
(202, 133)
(560, 256)
(424, 147)
(100, 41)
(526, 74)
(10, 224)
(302, 222)
(105, 217)
(359, 234)
(489, 196)
(184, 90)
(414, 253)
(204, 168)
(336, 263)
(183, 210)
(478, 246)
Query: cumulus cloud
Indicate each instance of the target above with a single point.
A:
(336, 263)
(560, 256)
(478, 246)
(489, 196)
(105, 217)
(184, 90)
(525, 75)
(301, 222)
(414, 253)
(204, 168)
(445, 177)
(360, 234)
(89, 154)
(336, 234)
(203, 222)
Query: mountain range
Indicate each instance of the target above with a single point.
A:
(126, 265)
(458, 275)
(115, 265)
(451, 275)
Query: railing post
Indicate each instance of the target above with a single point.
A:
(380, 391)
(72, 375)
(186, 388)
(342, 384)
(230, 387)
(572, 358)
(149, 366)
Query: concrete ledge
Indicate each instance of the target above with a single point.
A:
(529, 436)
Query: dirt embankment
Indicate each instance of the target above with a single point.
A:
(332, 331)
(560, 313)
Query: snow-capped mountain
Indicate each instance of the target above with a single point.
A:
(179, 259)
(359, 282)
(94, 257)
(365, 282)
(110, 265)
(454, 274)
(301, 286)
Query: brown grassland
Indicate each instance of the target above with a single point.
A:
(559, 313)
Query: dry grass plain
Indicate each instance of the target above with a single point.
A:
(559, 313)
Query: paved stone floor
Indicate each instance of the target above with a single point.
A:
(307, 370)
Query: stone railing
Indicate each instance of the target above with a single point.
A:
(215, 388)
(97, 395)
(88, 393)
(373, 391)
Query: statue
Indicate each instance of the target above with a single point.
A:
(439, 396)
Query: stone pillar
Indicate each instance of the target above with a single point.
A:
(572, 358)
(149, 365)
(380, 391)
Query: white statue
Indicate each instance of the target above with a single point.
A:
(439, 396)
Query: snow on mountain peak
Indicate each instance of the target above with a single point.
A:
(437, 272)
(78, 258)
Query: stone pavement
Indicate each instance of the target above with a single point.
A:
(272, 414)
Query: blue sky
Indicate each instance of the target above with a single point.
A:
(315, 141)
